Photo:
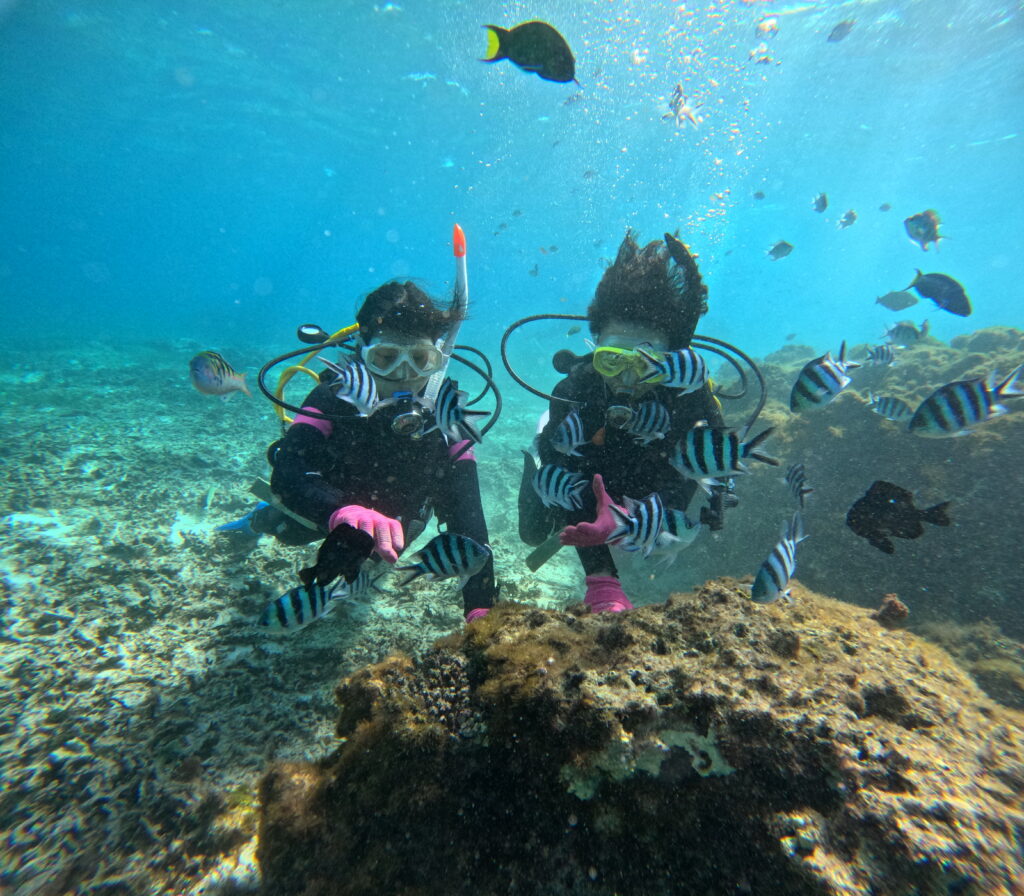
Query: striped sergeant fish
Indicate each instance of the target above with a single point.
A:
(640, 525)
(796, 479)
(558, 487)
(905, 333)
(651, 421)
(354, 384)
(820, 381)
(774, 575)
(678, 532)
(447, 556)
(881, 356)
(451, 415)
(299, 607)
(706, 453)
(682, 369)
(569, 435)
(951, 409)
(894, 409)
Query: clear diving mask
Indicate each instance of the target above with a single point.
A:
(384, 358)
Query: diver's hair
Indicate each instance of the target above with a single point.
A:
(403, 308)
(642, 287)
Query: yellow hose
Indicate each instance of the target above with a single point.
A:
(289, 372)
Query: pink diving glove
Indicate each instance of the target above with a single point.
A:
(387, 535)
(605, 595)
(587, 535)
(478, 613)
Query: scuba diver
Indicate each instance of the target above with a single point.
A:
(616, 418)
(379, 445)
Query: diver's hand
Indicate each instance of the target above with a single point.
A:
(587, 535)
(387, 535)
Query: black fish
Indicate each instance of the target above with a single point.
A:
(341, 554)
(780, 250)
(884, 207)
(535, 47)
(944, 291)
(888, 510)
(820, 202)
(758, 194)
(840, 31)
(847, 220)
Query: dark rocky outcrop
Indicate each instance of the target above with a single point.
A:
(707, 745)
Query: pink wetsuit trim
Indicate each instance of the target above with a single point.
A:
(468, 455)
(325, 426)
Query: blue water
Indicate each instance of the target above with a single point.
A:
(225, 171)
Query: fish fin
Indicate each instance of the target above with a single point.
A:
(622, 524)
(749, 448)
(937, 515)
(244, 388)
(494, 50)
(1009, 386)
(417, 571)
(468, 431)
(796, 532)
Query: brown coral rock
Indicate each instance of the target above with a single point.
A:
(892, 612)
(707, 745)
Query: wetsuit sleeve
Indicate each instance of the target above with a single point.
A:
(301, 459)
(461, 509)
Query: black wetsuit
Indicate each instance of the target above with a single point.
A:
(362, 461)
(628, 467)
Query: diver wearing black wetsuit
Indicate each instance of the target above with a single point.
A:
(629, 468)
(323, 464)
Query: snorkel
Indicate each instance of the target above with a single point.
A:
(460, 306)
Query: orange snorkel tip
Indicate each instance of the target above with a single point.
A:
(458, 242)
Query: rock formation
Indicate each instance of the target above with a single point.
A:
(705, 745)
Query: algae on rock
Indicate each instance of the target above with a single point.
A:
(706, 745)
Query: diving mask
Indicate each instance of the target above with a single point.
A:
(384, 358)
(611, 361)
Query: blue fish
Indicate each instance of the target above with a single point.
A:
(891, 408)
(569, 435)
(683, 370)
(776, 571)
(451, 415)
(650, 421)
(706, 453)
(354, 384)
(447, 556)
(952, 409)
(820, 381)
(558, 487)
(639, 528)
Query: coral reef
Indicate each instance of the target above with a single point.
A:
(966, 572)
(892, 612)
(707, 745)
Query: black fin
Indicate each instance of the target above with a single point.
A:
(749, 448)
(937, 515)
